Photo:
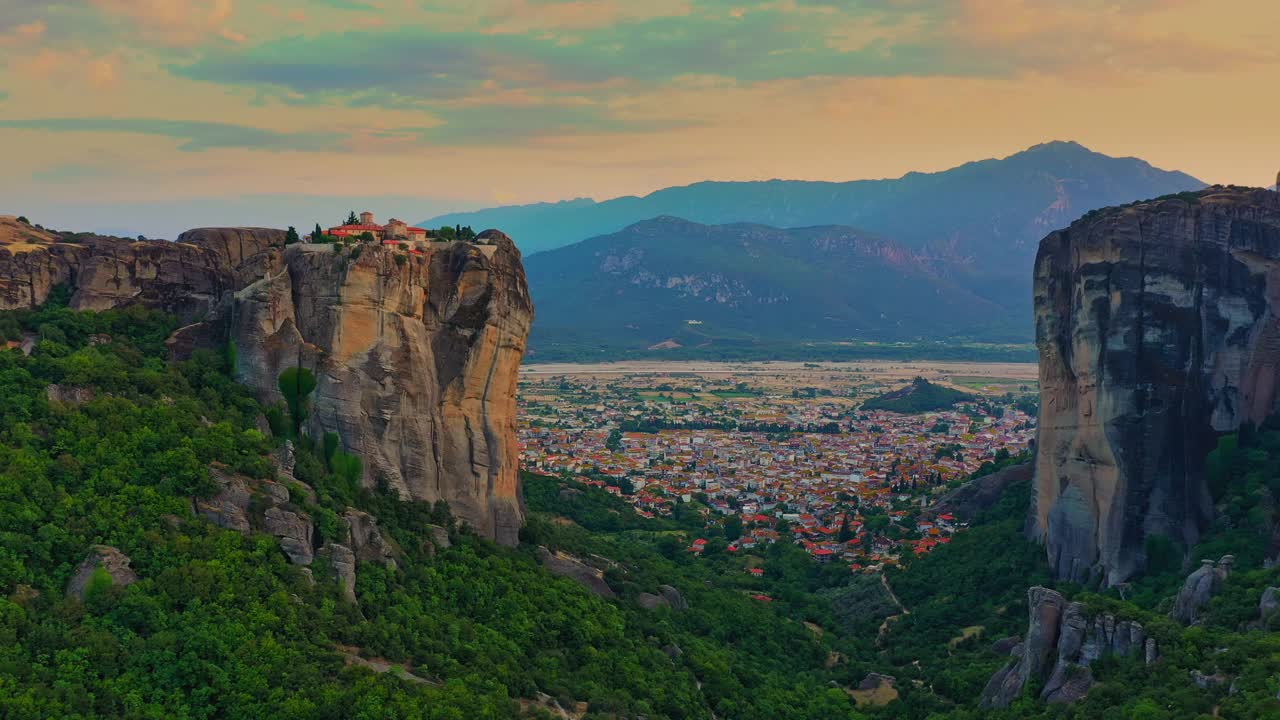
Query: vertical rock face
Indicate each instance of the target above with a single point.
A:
(1062, 642)
(416, 360)
(416, 354)
(1157, 326)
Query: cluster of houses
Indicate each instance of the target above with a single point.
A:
(818, 490)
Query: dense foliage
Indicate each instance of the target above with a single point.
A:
(104, 441)
(919, 397)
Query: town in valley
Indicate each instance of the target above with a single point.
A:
(779, 452)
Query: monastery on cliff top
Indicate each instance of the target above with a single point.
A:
(393, 230)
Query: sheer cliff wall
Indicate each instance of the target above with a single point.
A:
(1157, 326)
(415, 354)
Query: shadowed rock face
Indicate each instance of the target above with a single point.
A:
(416, 356)
(1157, 328)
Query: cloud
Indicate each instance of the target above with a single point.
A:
(402, 65)
(195, 136)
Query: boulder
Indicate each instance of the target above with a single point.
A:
(649, 601)
(673, 597)
(1199, 587)
(294, 531)
(565, 565)
(114, 563)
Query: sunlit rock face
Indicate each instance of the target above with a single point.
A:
(415, 353)
(416, 359)
(1157, 329)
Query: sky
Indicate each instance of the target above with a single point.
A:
(150, 116)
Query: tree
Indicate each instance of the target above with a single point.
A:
(291, 236)
(23, 219)
(447, 233)
(352, 219)
(317, 234)
(296, 384)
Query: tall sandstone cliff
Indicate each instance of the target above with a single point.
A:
(415, 355)
(1158, 326)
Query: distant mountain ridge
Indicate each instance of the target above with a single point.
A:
(968, 211)
(675, 283)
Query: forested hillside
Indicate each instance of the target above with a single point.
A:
(105, 443)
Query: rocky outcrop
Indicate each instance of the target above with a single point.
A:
(1158, 326)
(1062, 641)
(229, 508)
(981, 494)
(673, 597)
(69, 394)
(415, 354)
(113, 564)
(366, 540)
(415, 358)
(294, 531)
(343, 562)
(1269, 602)
(188, 278)
(568, 566)
(1199, 587)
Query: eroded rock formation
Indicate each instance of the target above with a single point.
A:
(1199, 588)
(1061, 643)
(1158, 325)
(415, 354)
(415, 358)
(114, 567)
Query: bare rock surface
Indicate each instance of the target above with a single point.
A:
(416, 355)
(294, 531)
(343, 562)
(981, 494)
(566, 565)
(1062, 641)
(69, 394)
(416, 360)
(1158, 326)
(1200, 587)
(106, 558)
(366, 540)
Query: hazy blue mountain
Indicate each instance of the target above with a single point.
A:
(969, 212)
(669, 281)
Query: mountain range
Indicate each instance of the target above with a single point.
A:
(668, 283)
(914, 257)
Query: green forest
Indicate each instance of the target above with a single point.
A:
(919, 397)
(221, 625)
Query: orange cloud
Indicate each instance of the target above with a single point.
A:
(174, 22)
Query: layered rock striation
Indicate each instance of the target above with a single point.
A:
(415, 354)
(1158, 326)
